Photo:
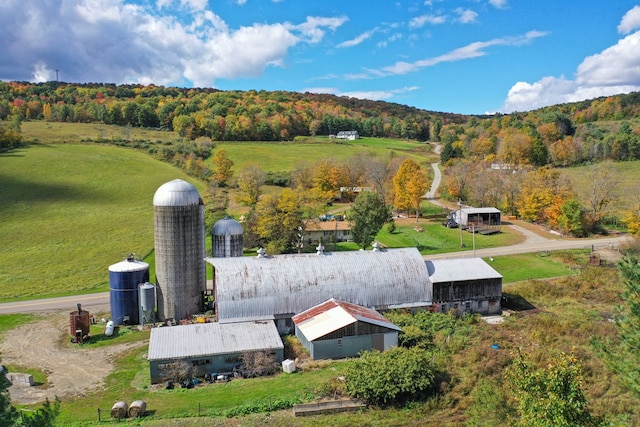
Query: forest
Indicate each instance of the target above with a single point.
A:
(480, 154)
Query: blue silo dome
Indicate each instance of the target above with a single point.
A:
(176, 193)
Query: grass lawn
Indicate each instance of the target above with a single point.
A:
(69, 211)
(515, 268)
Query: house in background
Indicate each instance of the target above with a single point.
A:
(210, 348)
(336, 329)
(350, 135)
(466, 285)
(329, 231)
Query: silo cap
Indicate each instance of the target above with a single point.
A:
(227, 226)
(176, 193)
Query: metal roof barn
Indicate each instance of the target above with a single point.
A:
(460, 269)
(207, 339)
(331, 315)
(180, 249)
(250, 287)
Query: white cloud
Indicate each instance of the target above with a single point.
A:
(313, 28)
(630, 21)
(613, 71)
(356, 41)
(471, 50)
(373, 95)
(466, 16)
(499, 4)
(421, 21)
(121, 42)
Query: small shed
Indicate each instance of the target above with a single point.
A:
(467, 285)
(479, 218)
(337, 329)
(211, 347)
(350, 135)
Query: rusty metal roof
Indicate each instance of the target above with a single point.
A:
(208, 339)
(460, 269)
(334, 314)
(249, 287)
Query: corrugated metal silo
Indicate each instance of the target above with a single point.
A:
(227, 238)
(124, 278)
(180, 250)
(147, 302)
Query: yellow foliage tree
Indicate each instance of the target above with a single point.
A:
(410, 183)
(632, 220)
(223, 164)
(542, 192)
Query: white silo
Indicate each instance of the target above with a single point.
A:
(180, 250)
(227, 238)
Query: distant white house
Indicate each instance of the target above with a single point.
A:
(351, 135)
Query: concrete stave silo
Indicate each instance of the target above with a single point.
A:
(227, 238)
(124, 278)
(180, 250)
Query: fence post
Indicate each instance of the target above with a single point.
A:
(99, 420)
(198, 409)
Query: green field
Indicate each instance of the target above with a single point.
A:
(69, 211)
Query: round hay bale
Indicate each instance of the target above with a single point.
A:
(119, 410)
(137, 409)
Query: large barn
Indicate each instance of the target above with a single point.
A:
(278, 287)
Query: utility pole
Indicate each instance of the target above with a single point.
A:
(460, 221)
(57, 75)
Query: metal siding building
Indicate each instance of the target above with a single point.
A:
(180, 250)
(336, 329)
(211, 347)
(283, 285)
(465, 285)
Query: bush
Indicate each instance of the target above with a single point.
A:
(390, 377)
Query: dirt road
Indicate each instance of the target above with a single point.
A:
(71, 370)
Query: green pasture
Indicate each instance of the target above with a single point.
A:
(58, 132)
(285, 156)
(69, 211)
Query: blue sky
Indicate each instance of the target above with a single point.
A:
(461, 56)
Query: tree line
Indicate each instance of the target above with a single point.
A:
(219, 115)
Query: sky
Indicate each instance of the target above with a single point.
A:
(459, 56)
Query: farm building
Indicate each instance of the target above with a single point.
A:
(210, 348)
(479, 218)
(278, 287)
(350, 135)
(467, 285)
(337, 329)
(328, 231)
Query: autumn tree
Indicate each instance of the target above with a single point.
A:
(223, 164)
(540, 190)
(514, 146)
(249, 180)
(410, 183)
(326, 180)
(601, 192)
(278, 219)
(367, 216)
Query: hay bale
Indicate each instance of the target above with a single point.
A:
(137, 409)
(119, 410)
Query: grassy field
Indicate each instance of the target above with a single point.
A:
(627, 175)
(69, 211)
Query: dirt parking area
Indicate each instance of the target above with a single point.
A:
(71, 369)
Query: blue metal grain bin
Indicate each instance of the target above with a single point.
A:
(124, 278)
